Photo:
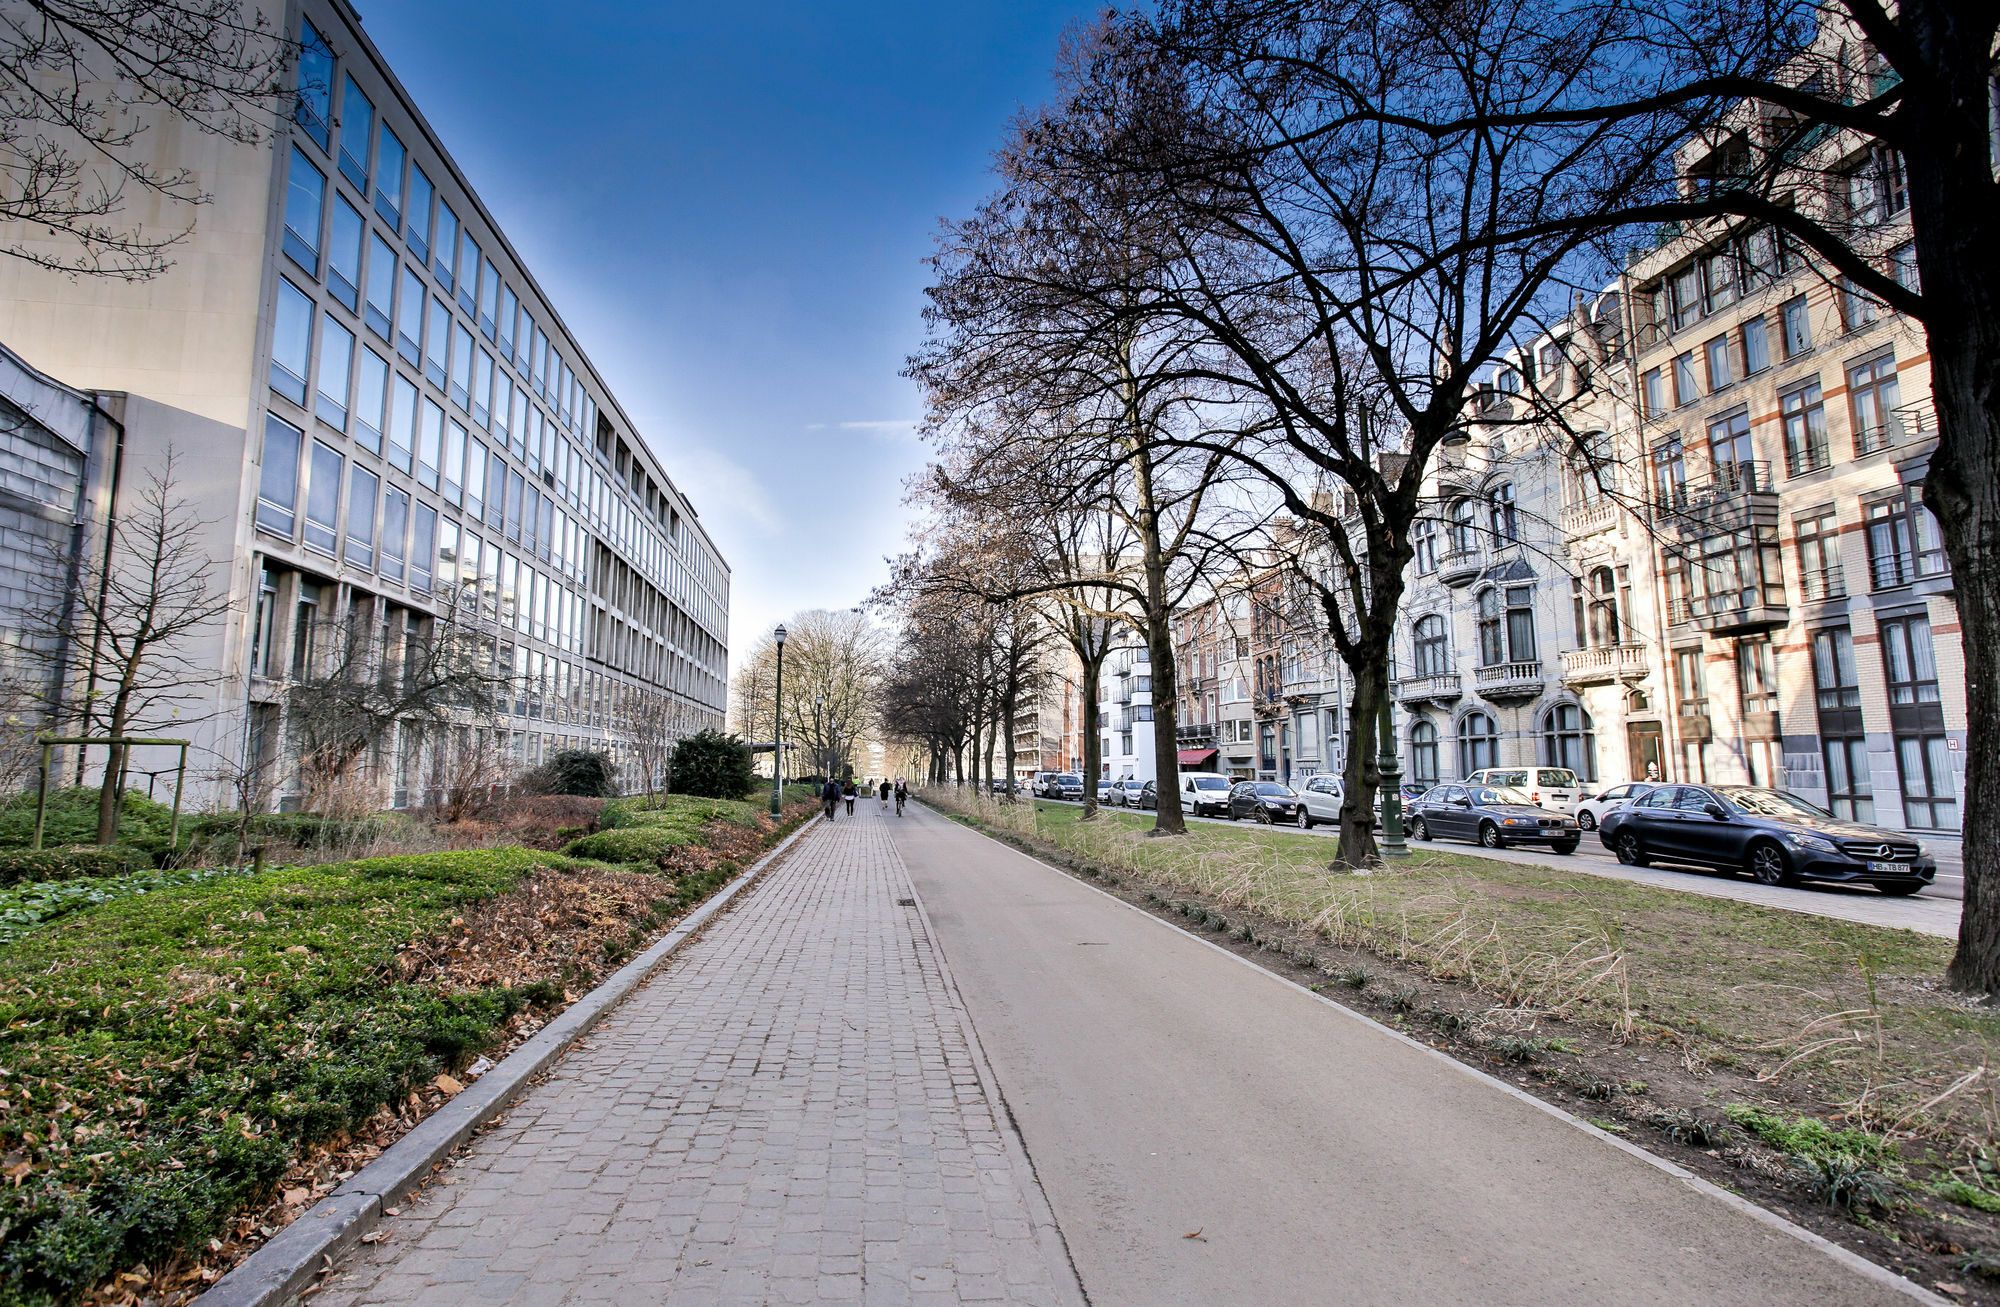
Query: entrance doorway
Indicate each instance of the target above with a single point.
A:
(1648, 746)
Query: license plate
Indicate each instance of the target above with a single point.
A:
(1892, 868)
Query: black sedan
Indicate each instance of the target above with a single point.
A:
(1490, 815)
(1779, 838)
(1265, 801)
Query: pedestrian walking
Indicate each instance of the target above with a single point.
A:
(902, 793)
(883, 791)
(829, 797)
(848, 793)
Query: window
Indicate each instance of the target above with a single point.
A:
(1837, 688)
(1879, 190)
(430, 441)
(291, 343)
(1923, 757)
(1903, 266)
(1501, 514)
(357, 125)
(468, 272)
(437, 338)
(305, 627)
(1719, 375)
(475, 480)
(336, 370)
(1568, 741)
(323, 497)
(314, 109)
(1601, 629)
(1858, 308)
(278, 481)
(1552, 368)
(381, 286)
(1521, 623)
(461, 367)
(516, 488)
(1804, 417)
(503, 401)
(1719, 280)
(344, 265)
(1685, 390)
(423, 545)
(389, 179)
(1684, 296)
(362, 486)
(1756, 347)
(1756, 679)
(371, 401)
(1463, 531)
(489, 298)
(1432, 647)
(1478, 744)
(1424, 753)
(1653, 391)
(264, 631)
(1903, 540)
(1795, 326)
(410, 319)
(1729, 452)
(402, 423)
(454, 461)
(1669, 472)
(1873, 396)
(1492, 637)
(1424, 545)
(1765, 257)
(1820, 574)
(395, 526)
(482, 389)
(510, 309)
(447, 244)
(305, 201)
(496, 488)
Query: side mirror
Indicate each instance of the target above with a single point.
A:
(1461, 803)
(1717, 811)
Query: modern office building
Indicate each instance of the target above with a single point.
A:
(382, 416)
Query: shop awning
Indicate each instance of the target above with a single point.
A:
(1192, 757)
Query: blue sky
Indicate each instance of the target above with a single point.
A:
(729, 204)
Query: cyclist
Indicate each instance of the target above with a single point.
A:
(902, 793)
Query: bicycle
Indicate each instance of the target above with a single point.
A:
(899, 805)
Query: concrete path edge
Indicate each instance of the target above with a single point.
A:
(1852, 1260)
(293, 1257)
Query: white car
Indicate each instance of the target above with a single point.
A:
(1590, 813)
(1127, 792)
(1555, 788)
(1205, 793)
(1319, 801)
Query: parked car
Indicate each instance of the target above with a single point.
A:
(1590, 812)
(1265, 801)
(1205, 793)
(1493, 816)
(1149, 797)
(1128, 792)
(1107, 793)
(1547, 787)
(1065, 785)
(1779, 838)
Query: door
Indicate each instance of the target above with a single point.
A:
(1702, 838)
(1655, 820)
(1648, 750)
(1453, 816)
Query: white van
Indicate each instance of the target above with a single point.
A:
(1205, 793)
(1550, 787)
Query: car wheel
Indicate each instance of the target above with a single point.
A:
(1769, 866)
(1587, 819)
(1630, 851)
(1489, 836)
(1564, 846)
(1263, 815)
(1898, 888)
(1419, 830)
(1305, 820)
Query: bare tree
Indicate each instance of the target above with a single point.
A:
(465, 768)
(650, 726)
(82, 82)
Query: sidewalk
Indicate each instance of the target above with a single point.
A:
(793, 1111)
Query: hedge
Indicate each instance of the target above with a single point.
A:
(70, 862)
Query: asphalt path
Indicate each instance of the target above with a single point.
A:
(1932, 911)
(1208, 1133)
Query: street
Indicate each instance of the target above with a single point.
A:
(1933, 911)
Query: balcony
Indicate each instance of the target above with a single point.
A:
(1735, 613)
(1579, 520)
(1511, 680)
(1441, 688)
(1201, 734)
(1903, 426)
(1818, 587)
(1809, 457)
(1907, 567)
(1460, 566)
(1605, 664)
(1735, 497)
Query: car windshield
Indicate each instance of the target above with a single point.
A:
(1560, 778)
(1272, 787)
(1067, 779)
(1135, 785)
(1773, 803)
(1210, 783)
(1503, 794)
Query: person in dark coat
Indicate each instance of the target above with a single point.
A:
(847, 792)
(829, 797)
(882, 792)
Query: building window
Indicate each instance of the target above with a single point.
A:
(1463, 531)
(1903, 266)
(446, 248)
(468, 272)
(1478, 744)
(1923, 756)
(291, 343)
(362, 486)
(461, 367)
(323, 497)
(1424, 545)
(1432, 648)
(1601, 628)
(1795, 325)
(1492, 641)
(1423, 754)
(1719, 280)
(263, 633)
(1501, 514)
(1653, 391)
(1879, 190)
(437, 338)
(1837, 690)
(344, 263)
(454, 461)
(430, 441)
(1903, 540)
(379, 309)
(389, 179)
(1521, 623)
(305, 627)
(1684, 296)
(1873, 395)
(371, 400)
(402, 423)
(357, 124)
(1567, 740)
(395, 528)
(278, 480)
(489, 298)
(1685, 390)
(1804, 416)
(314, 109)
(1719, 375)
(1858, 308)
(423, 546)
(1756, 677)
(1756, 347)
(1669, 472)
(336, 370)
(1731, 457)
(510, 309)
(1820, 574)
(422, 201)
(305, 203)
(410, 319)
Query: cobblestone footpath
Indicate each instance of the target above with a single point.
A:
(792, 1111)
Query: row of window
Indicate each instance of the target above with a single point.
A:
(1753, 262)
(1462, 530)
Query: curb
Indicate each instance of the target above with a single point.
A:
(291, 1259)
(1853, 1261)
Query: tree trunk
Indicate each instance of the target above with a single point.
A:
(1166, 739)
(109, 797)
(1007, 708)
(1362, 776)
(1093, 746)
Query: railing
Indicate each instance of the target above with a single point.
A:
(1828, 584)
(1891, 570)
(1440, 685)
(1606, 662)
(1458, 563)
(1583, 519)
(1200, 733)
(1901, 426)
(1517, 677)
(1722, 609)
(1811, 458)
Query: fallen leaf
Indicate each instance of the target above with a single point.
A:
(448, 1084)
(293, 1197)
(373, 1236)
(1197, 1235)
(392, 1211)
(1955, 1290)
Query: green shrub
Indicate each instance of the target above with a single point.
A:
(71, 862)
(712, 765)
(1808, 1137)
(630, 844)
(72, 819)
(586, 772)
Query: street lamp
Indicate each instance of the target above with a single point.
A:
(819, 738)
(1392, 785)
(778, 730)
